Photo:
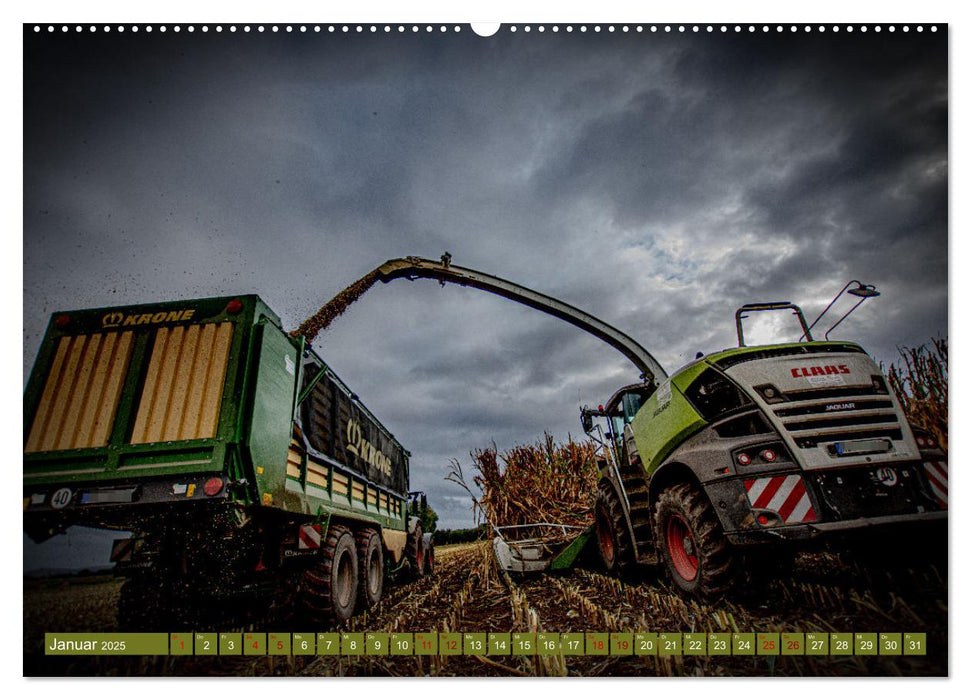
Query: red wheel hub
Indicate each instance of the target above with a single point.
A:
(681, 546)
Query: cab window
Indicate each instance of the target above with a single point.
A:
(632, 403)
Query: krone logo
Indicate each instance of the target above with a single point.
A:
(356, 444)
(113, 319)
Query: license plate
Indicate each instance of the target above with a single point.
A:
(109, 496)
(861, 447)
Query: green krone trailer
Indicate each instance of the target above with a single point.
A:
(247, 473)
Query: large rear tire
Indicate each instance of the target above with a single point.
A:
(415, 551)
(699, 559)
(430, 558)
(370, 568)
(613, 535)
(330, 585)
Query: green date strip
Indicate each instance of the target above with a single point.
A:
(485, 644)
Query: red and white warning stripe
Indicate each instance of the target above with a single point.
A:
(309, 537)
(936, 473)
(786, 495)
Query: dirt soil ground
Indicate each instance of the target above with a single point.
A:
(468, 593)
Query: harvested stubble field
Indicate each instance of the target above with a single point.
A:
(469, 593)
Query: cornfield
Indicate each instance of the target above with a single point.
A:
(542, 482)
(919, 379)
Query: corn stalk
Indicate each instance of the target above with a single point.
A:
(919, 379)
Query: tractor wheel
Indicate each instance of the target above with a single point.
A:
(330, 585)
(415, 552)
(698, 557)
(370, 568)
(430, 559)
(613, 536)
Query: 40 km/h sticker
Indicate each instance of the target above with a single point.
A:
(61, 498)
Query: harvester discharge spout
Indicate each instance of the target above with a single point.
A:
(413, 268)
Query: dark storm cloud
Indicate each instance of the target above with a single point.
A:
(656, 181)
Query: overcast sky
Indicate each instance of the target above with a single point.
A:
(658, 181)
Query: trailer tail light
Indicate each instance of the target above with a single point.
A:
(768, 455)
(763, 519)
(234, 307)
(213, 486)
(62, 321)
(744, 459)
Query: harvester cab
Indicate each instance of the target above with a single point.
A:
(613, 434)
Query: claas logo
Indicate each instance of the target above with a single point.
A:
(817, 371)
(117, 318)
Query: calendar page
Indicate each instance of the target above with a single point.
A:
(384, 349)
